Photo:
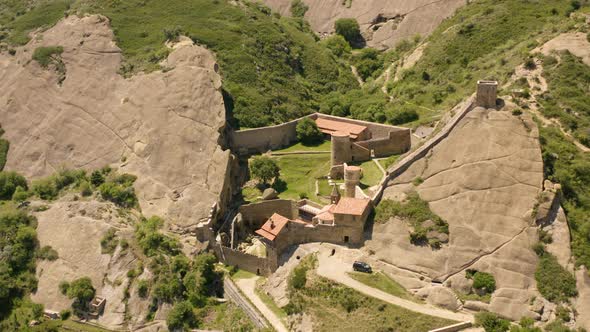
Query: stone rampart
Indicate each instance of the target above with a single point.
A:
(256, 214)
(250, 263)
(260, 140)
(419, 153)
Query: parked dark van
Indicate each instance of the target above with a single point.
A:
(362, 267)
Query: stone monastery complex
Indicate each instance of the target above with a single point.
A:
(276, 224)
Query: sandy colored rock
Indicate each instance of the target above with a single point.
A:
(476, 306)
(162, 127)
(383, 23)
(74, 229)
(460, 283)
(574, 42)
(440, 296)
(269, 193)
(582, 302)
(483, 180)
(560, 234)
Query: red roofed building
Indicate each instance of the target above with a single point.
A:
(273, 227)
(354, 131)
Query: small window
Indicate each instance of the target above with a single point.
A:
(257, 272)
(346, 239)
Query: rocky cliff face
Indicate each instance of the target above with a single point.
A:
(484, 180)
(163, 127)
(383, 23)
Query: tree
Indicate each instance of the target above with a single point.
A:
(82, 291)
(9, 181)
(308, 131)
(96, 178)
(298, 8)
(181, 316)
(491, 322)
(20, 194)
(338, 45)
(264, 169)
(484, 281)
(349, 29)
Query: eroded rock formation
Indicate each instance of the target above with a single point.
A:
(483, 180)
(383, 23)
(163, 127)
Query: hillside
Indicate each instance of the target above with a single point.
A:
(383, 23)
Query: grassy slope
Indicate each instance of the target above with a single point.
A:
(300, 173)
(326, 302)
(381, 281)
(485, 39)
(274, 68)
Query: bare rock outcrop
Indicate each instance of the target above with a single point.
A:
(74, 229)
(163, 127)
(483, 180)
(383, 23)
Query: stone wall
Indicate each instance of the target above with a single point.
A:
(453, 328)
(399, 167)
(250, 263)
(260, 140)
(256, 214)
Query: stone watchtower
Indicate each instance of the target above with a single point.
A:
(341, 148)
(352, 177)
(487, 93)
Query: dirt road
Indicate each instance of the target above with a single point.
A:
(248, 286)
(332, 268)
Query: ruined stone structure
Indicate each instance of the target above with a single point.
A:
(487, 93)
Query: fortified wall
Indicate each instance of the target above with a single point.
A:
(383, 140)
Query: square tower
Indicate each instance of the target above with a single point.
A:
(487, 93)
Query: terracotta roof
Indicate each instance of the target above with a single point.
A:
(326, 213)
(330, 127)
(354, 206)
(272, 227)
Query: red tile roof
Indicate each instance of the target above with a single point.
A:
(272, 227)
(327, 213)
(330, 127)
(354, 206)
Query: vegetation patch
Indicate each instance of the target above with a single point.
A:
(568, 96)
(4, 146)
(382, 282)
(554, 282)
(109, 241)
(491, 322)
(299, 174)
(427, 226)
(334, 307)
(51, 56)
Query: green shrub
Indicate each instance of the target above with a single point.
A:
(121, 195)
(9, 182)
(368, 63)
(516, 112)
(45, 188)
(403, 116)
(484, 281)
(85, 188)
(308, 132)
(108, 242)
(562, 313)
(65, 314)
(82, 291)
(491, 322)
(298, 278)
(20, 194)
(298, 8)
(338, 45)
(46, 55)
(554, 282)
(264, 168)
(96, 178)
(4, 147)
(47, 253)
(142, 288)
(349, 29)
(152, 241)
(181, 317)
(63, 287)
